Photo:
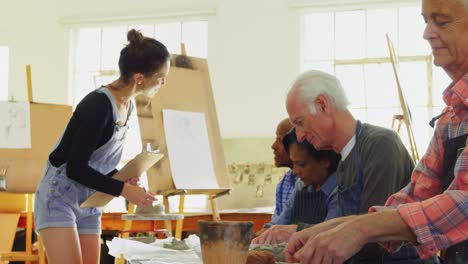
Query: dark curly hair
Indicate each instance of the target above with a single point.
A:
(319, 155)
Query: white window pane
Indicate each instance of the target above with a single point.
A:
(4, 66)
(170, 35)
(382, 116)
(411, 28)
(195, 38)
(380, 85)
(414, 82)
(88, 49)
(359, 114)
(100, 80)
(379, 22)
(84, 83)
(350, 35)
(113, 41)
(318, 36)
(146, 29)
(440, 81)
(420, 128)
(352, 80)
(325, 66)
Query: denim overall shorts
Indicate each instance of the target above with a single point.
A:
(58, 198)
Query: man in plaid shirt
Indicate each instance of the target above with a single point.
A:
(432, 211)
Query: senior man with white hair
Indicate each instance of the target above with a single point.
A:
(374, 162)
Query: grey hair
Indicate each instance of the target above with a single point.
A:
(314, 83)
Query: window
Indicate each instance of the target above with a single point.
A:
(94, 62)
(4, 65)
(96, 50)
(352, 45)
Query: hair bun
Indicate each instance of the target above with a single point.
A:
(135, 37)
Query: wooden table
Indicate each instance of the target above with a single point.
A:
(113, 221)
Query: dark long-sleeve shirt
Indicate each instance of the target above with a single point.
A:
(90, 127)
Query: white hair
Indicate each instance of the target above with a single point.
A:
(314, 83)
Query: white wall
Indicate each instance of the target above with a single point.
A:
(253, 52)
(31, 31)
(253, 56)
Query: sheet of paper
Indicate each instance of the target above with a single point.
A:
(134, 168)
(189, 150)
(15, 125)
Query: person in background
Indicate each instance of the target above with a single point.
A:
(431, 212)
(285, 187)
(85, 156)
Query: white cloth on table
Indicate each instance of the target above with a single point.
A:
(140, 253)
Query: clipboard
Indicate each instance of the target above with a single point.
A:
(134, 168)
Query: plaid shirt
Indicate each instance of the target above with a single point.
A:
(438, 218)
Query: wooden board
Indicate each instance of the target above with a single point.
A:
(11, 206)
(25, 166)
(134, 168)
(407, 118)
(8, 230)
(185, 90)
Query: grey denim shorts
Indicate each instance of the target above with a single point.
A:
(57, 203)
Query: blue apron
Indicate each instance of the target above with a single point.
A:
(456, 254)
(349, 202)
(309, 207)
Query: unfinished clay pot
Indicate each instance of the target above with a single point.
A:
(156, 209)
(225, 241)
